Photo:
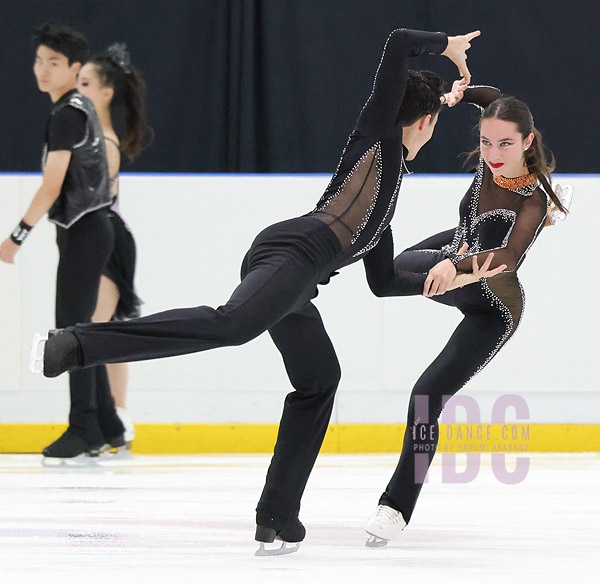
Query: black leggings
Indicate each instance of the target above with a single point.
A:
(280, 274)
(492, 310)
(84, 249)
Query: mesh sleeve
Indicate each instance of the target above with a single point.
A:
(528, 224)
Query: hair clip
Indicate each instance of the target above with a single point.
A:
(119, 55)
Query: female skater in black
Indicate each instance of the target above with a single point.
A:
(503, 212)
(283, 267)
(115, 86)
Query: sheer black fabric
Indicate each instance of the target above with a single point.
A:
(493, 218)
(280, 274)
(496, 219)
(360, 200)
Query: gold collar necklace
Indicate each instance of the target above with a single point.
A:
(515, 183)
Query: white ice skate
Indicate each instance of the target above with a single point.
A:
(385, 524)
(129, 427)
(110, 452)
(565, 196)
(36, 356)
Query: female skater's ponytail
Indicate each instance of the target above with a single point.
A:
(114, 70)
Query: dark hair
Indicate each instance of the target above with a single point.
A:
(511, 109)
(423, 91)
(114, 70)
(62, 39)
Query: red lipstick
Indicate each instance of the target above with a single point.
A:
(498, 165)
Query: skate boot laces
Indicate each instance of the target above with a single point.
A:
(383, 525)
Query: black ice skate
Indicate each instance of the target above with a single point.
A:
(61, 352)
(69, 445)
(270, 527)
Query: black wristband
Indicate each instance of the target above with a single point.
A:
(20, 233)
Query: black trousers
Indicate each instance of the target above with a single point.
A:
(83, 250)
(492, 310)
(279, 274)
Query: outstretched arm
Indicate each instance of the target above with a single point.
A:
(528, 224)
(386, 279)
(456, 51)
(464, 278)
(481, 95)
(478, 95)
(381, 110)
(434, 242)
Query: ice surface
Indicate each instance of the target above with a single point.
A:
(191, 519)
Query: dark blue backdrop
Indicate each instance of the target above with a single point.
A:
(275, 85)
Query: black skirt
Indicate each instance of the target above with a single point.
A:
(120, 268)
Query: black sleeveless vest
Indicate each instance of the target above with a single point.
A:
(86, 185)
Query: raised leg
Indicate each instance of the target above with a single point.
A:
(273, 287)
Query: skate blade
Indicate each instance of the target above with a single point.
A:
(108, 452)
(80, 461)
(36, 361)
(375, 541)
(280, 551)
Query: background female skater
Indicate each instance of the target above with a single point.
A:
(113, 84)
(282, 269)
(75, 194)
(503, 211)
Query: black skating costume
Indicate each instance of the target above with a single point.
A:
(280, 274)
(120, 267)
(492, 218)
(84, 236)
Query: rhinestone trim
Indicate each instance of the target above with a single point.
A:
(514, 184)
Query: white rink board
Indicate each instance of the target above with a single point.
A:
(192, 232)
